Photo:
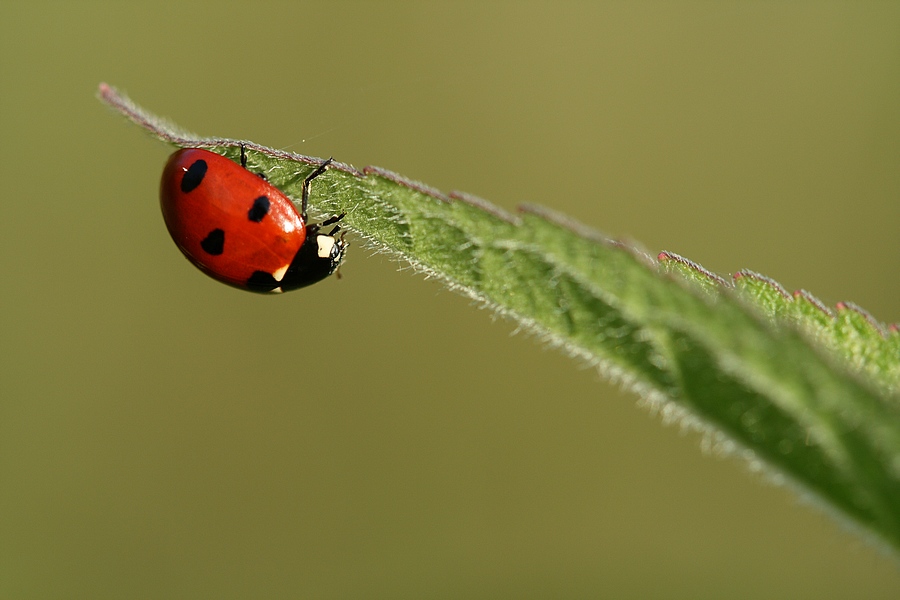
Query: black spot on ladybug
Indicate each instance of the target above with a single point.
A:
(259, 210)
(214, 243)
(261, 281)
(193, 176)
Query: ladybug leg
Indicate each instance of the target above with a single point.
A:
(304, 195)
(327, 222)
(336, 228)
(244, 163)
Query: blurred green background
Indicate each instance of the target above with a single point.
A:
(164, 436)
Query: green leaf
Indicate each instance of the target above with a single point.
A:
(809, 395)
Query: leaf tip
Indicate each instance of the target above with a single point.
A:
(860, 315)
(814, 302)
(747, 276)
(665, 257)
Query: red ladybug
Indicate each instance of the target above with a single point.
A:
(238, 228)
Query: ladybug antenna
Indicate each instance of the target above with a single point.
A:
(243, 156)
(304, 194)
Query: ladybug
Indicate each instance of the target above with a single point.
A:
(240, 229)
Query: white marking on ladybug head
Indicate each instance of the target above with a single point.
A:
(326, 245)
(279, 274)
